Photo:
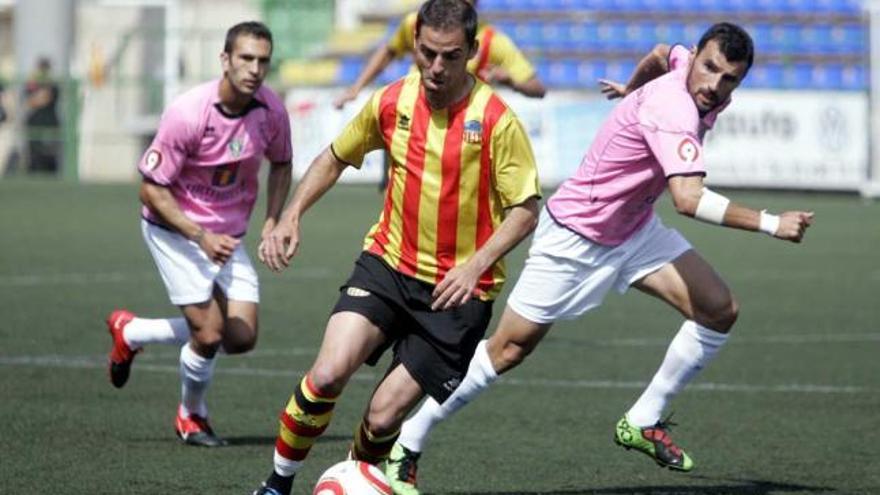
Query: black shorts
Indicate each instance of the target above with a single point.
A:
(435, 346)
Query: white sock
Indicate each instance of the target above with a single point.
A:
(480, 374)
(141, 331)
(196, 373)
(693, 347)
(285, 467)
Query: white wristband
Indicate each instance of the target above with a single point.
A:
(769, 223)
(711, 207)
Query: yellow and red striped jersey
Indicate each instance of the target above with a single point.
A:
(453, 172)
(496, 49)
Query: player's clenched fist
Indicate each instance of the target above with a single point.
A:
(793, 225)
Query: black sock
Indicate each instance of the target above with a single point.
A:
(282, 484)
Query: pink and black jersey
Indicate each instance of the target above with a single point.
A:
(654, 133)
(209, 160)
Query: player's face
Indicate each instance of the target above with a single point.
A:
(712, 77)
(442, 56)
(248, 64)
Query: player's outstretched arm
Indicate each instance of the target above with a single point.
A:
(650, 67)
(459, 283)
(379, 60)
(158, 198)
(693, 199)
(281, 243)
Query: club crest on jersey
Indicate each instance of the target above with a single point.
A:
(235, 147)
(403, 122)
(473, 131)
(225, 175)
(153, 160)
(688, 150)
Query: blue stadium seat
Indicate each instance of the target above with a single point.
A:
(797, 76)
(558, 73)
(395, 71)
(854, 77)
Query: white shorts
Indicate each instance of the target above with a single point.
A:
(189, 274)
(567, 275)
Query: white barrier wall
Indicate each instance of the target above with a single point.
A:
(803, 140)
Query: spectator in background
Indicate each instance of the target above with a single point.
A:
(2, 108)
(41, 123)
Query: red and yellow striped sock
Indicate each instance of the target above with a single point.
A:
(304, 419)
(370, 448)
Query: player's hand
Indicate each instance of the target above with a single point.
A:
(279, 245)
(348, 95)
(793, 225)
(612, 89)
(456, 288)
(218, 247)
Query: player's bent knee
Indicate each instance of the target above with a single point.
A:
(721, 316)
(326, 380)
(208, 339)
(239, 347)
(383, 422)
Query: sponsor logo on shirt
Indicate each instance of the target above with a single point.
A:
(403, 122)
(235, 147)
(357, 292)
(153, 160)
(688, 150)
(473, 132)
(225, 175)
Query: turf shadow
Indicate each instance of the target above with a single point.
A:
(245, 441)
(744, 487)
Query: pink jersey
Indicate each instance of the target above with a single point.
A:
(654, 133)
(209, 159)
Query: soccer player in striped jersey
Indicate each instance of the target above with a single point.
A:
(463, 192)
(498, 61)
(599, 232)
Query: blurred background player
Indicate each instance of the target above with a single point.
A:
(200, 182)
(498, 60)
(599, 231)
(463, 192)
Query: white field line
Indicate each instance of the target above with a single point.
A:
(167, 352)
(53, 279)
(74, 362)
(309, 273)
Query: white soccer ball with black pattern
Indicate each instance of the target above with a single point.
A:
(353, 478)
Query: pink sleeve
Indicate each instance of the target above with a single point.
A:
(671, 134)
(280, 149)
(167, 154)
(679, 56)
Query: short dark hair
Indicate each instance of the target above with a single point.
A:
(446, 14)
(249, 28)
(733, 41)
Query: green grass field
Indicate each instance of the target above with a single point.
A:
(791, 405)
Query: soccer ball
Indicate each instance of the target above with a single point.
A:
(353, 478)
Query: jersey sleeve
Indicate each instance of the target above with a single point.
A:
(280, 149)
(403, 38)
(679, 56)
(505, 54)
(169, 150)
(514, 168)
(361, 136)
(670, 130)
